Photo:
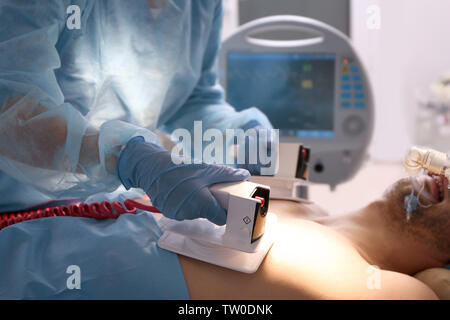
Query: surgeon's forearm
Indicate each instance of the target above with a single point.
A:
(89, 153)
(32, 139)
(38, 140)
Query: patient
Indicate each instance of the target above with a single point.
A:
(316, 256)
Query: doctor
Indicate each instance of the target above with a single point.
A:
(85, 84)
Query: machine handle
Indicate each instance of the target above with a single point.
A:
(319, 30)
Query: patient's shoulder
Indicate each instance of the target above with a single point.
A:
(438, 279)
(399, 286)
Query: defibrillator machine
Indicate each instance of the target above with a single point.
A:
(313, 89)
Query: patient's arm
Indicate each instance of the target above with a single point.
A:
(307, 261)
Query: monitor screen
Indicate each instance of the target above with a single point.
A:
(294, 90)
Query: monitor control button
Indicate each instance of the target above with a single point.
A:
(353, 125)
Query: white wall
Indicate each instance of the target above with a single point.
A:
(230, 17)
(408, 51)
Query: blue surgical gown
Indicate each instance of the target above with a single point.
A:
(128, 70)
(70, 98)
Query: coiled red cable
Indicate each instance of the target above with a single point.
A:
(103, 210)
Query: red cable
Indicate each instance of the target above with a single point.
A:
(94, 210)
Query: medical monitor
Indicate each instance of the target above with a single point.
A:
(313, 89)
(294, 90)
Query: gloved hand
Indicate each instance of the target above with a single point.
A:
(179, 191)
(271, 150)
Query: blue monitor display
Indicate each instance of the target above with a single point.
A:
(294, 90)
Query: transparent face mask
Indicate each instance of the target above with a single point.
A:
(423, 161)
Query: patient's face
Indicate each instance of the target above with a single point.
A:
(430, 222)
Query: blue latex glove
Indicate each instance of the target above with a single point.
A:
(272, 147)
(179, 191)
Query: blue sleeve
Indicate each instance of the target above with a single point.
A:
(44, 141)
(207, 101)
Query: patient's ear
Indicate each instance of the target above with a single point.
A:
(438, 279)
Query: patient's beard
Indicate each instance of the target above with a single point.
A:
(382, 241)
